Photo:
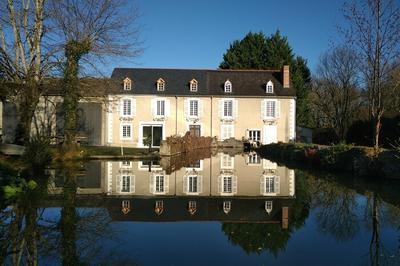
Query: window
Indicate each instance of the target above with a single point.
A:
(228, 108)
(160, 84)
(125, 206)
(270, 185)
(159, 208)
(227, 184)
(194, 108)
(126, 131)
(127, 84)
(193, 85)
(270, 87)
(192, 184)
(254, 135)
(227, 161)
(227, 206)
(159, 184)
(126, 164)
(227, 132)
(268, 206)
(160, 109)
(228, 86)
(195, 130)
(192, 207)
(126, 184)
(254, 159)
(126, 107)
(269, 109)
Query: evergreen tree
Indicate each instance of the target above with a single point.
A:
(256, 51)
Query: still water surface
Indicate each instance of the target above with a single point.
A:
(230, 209)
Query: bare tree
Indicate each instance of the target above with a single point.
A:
(21, 58)
(374, 32)
(89, 29)
(335, 95)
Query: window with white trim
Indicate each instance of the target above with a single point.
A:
(127, 84)
(126, 107)
(269, 88)
(193, 108)
(126, 184)
(160, 85)
(228, 108)
(254, 159)
(227, 161)
(268, 206)
(126, 164)
(160, 108)
(126, 131)
(159, 184)
(228, 86)
(227, 132)
(193, 85)
(270, 109)
(227, 206)
(227, 184)
(254, 135)
(192, 184)
(270, 185)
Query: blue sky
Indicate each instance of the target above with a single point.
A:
(195, 34)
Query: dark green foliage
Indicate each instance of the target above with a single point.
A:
(256, 51)
(37, 153)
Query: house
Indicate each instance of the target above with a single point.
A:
(258, 105)
(140, 103)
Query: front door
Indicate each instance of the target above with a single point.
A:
(154, 132)
(195, 130)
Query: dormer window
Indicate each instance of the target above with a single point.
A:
(127, 84)
(193, 85)
(269, 87)
(160, 84)
(228, 86)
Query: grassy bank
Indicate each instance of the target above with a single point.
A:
(357, 160)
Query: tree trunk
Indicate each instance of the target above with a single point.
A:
(73, 52)
(377, 130)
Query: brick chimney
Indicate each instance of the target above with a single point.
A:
(286, 76)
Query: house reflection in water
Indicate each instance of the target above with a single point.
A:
(239, 188)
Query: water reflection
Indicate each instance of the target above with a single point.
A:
(71, 217)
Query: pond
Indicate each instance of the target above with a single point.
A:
(228, 209)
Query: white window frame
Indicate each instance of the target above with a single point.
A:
(271, 185)
(195, 112)
(125, 164)
(270, 109)
(225, 112)
(227, 161)
(157, 187)
(194, 85)
(228, 86)
(253, 159)
(160, 106)
(228, 181)
(127, 105)
(269, 87)
(193, 181)
(131, 184)
(251, 131)
(160, 85)
(127, 84)
(266, 108)
(122, 137)
(225, 129)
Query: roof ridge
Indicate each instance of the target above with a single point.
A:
(201, 69)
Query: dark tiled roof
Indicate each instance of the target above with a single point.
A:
(210, 82)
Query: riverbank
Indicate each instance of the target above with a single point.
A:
(357, 160)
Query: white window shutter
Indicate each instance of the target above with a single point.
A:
(167, 108)
(118, 184)
(152, 188)
(219, 185)
(200, 184)
(234, 184)
(185, 184)
(154, 107)
(277, 185)
(221, 108)
(235, 108)
(263, 109)
(262, 185)
(278, 109)
(132, 184)
(166, 184)
(200, 112)
(133, 107)
(186, 108)
(121, 107)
